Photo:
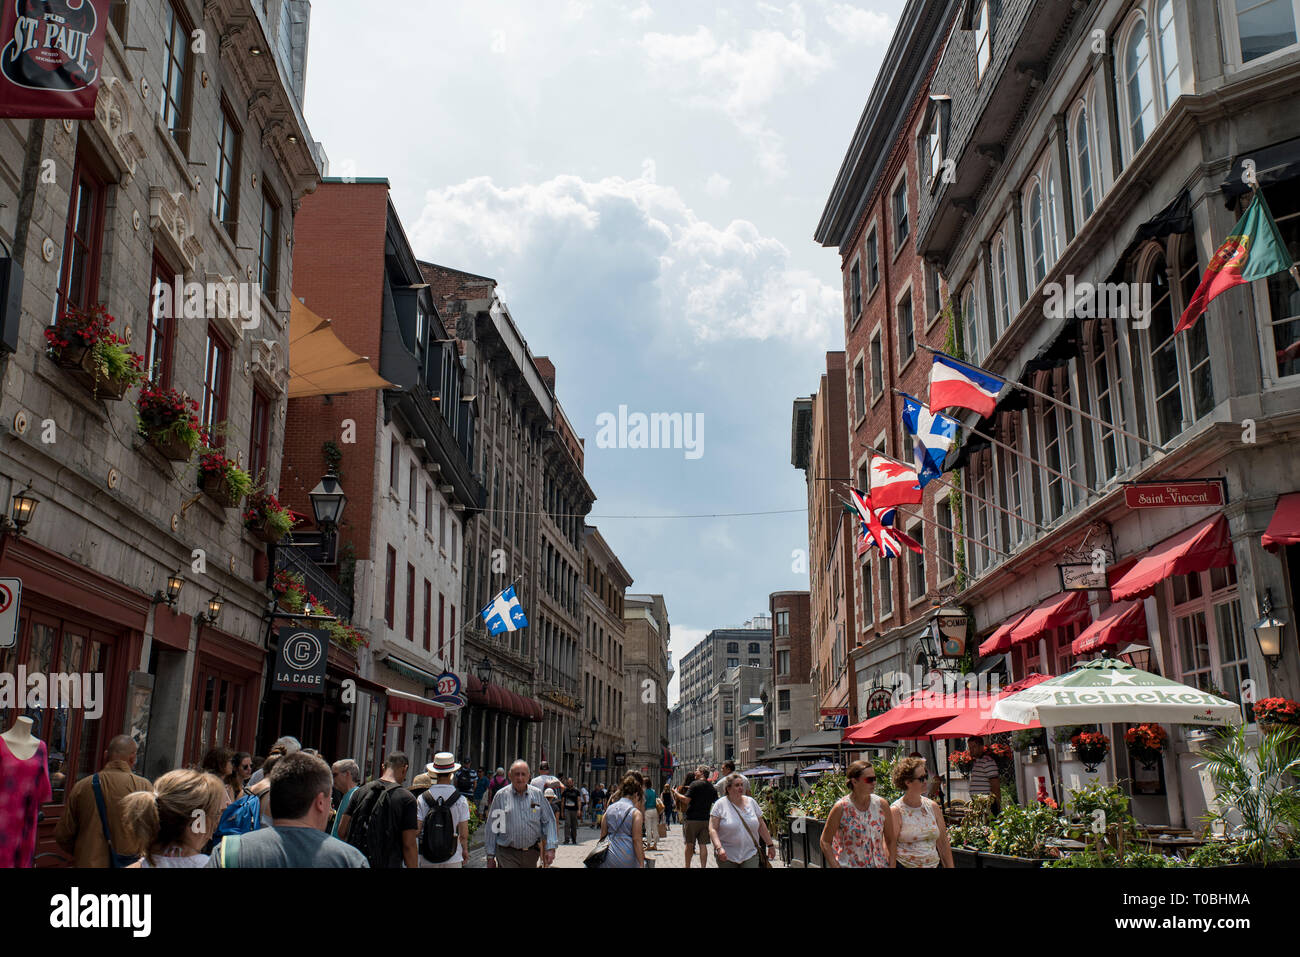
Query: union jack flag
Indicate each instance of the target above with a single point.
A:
(876, 528)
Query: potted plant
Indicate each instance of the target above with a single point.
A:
(169, 420)
(1004, 756)
(1277, 713)
(961, 761)
(82, 343)
(267, 519)
(1092, 748)
(1257, 799)
(222, 479)
(290, 590)
(1019, 836)
(1146, 742)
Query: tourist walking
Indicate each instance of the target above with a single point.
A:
(859, 831)
(243, 771)
(497, 782)
(91, 828)
(651, 828)
(720, 783)
(174, 822)
(623, 825)
(736, 827)
(700, 797)
(571, 805)
(347, 780)
(520, 824)
(598, 798)
(300, 807)
(382, 822)
(443, 813)
(922, 835)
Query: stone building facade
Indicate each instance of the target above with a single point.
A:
(604, 592)
(645, 682)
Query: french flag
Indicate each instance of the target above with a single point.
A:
(955, 384)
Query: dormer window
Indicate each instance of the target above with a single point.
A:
(983, 39)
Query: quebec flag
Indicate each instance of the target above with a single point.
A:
(932, 434)
(504, 613)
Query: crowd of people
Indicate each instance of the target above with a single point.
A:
(295, 810)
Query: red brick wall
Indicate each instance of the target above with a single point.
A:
(800, 640)
(338, 271)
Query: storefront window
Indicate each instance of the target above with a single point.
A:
(1209, 631)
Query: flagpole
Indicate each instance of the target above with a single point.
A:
(1055, 401)
(935, 522)
(1019, 518)
(1032, 461)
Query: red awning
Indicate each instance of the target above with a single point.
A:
(969, 725)
(1056, 612)
(916, 716)
(1201, 547)
(399, 702)
(1119, 624)
(1284, 529)
(1000, 640)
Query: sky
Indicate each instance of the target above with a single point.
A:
(643, 180)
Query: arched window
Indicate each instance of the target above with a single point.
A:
(1001, 290)
(1053, 233)
(1201, 381)
(1139, 92)
(970, 323)
(1166, 389)
(1083, 162)
(1169, 77)
(1037, 243)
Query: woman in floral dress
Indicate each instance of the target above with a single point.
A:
(860, 830)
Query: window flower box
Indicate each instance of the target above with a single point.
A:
(267, 520)
(169, 421)
(82, 344)
(222, 480)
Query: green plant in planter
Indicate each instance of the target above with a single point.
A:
(168, 414)
(818, 802)
(1221, 854)
(1109, 858)
(1111, 800)
(265, 509)
(1257, 798)
(212, 462)
(1029, 738)
(1023, 831)
(776, 804)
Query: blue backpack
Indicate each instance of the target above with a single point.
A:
(239, 817)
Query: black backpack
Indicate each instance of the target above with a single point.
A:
(438, 840)
(465, 781)
(369, 832)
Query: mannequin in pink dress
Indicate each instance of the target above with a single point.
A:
(24, 787)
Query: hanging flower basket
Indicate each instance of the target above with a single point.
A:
(290, 591)
(81, 343)
(222, 480)
(169, 421)
(1146, 743)
(1091, 748)
(961, 761)
(171, 446)
(1271, 713)
(266, 519)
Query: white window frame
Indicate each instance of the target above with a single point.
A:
(1268, 322)
(1206, 604)
(1001, 252)
(1232, 38)
(871, 241)
(983, 38)
(896, 242)
(1035, 186)
(1081, 150)
(934, 145)
(877, 337)
(1107, 358)
(859, 400)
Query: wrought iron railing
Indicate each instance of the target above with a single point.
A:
(337, 598)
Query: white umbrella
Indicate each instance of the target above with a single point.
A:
(1108, 691)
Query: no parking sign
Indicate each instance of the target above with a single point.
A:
(11, 590)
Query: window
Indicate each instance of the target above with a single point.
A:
(916, 565)
(868, 615)
(259, 438)
(983, 39)
(1209, 631)
(428, 610)
(225, 191)
(216, 387)
(268, 257)
(873, 262)
(1037, 238)
(1139, 94)
(1101, 350)
(933, 299)
(390, 583)
(970, 320)
(117, 17)
(1165, 390)
(755, 662)
(1281, 291)
(899, 208)
(161, 331)
(859, 390)
(906, 330)
(943, 535)
(394, 463)
(442, 614)
(783, 700)
(83, 239)
(1012, 490)
(934, 145)
(1083, 162)
(886, 588)
(410, 603)
(756, 649)
(1264, 27)
(783, 662)
(1001, 291)
(733, 662)
(855, 290)
(1195, 340)
(733, 647)
(878, 367)
(428, 508)
(177, 68)
(1168, 45)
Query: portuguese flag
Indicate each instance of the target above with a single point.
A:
(1254, 250)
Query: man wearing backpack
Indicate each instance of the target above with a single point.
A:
(384, 825)
(443, 813)
(464, 779)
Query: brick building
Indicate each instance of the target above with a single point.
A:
(893, 305)
(605, 585)
(793, 698)
(710, 685)
(403, 455)
(173, 177)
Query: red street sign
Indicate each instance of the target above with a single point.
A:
(1174, 494)
(834, 712)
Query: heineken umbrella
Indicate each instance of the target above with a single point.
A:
(1108, 691)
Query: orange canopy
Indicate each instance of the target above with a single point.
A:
(319, 364)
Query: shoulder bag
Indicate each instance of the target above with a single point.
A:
(596, 856)
(763, 862)
(115, 859)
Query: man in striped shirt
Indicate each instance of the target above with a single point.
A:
(520, 824)
(984, 773)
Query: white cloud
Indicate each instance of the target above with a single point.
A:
(641, 13)
(740, 81)
(717, 186)
(635, 245)
(860, 26)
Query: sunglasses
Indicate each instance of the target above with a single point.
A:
(863, 777)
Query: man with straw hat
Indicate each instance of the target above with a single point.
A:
(443, 814)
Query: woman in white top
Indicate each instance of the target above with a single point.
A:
(922, 835)
(737, 828)
(174, 822)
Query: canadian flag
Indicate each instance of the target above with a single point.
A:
(893, 483)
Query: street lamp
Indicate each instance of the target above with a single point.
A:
(1139, 656)
(328, 501)
(484, 671)
(174, 585)
(1268, 632)
(21, 511)
(214, 610)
